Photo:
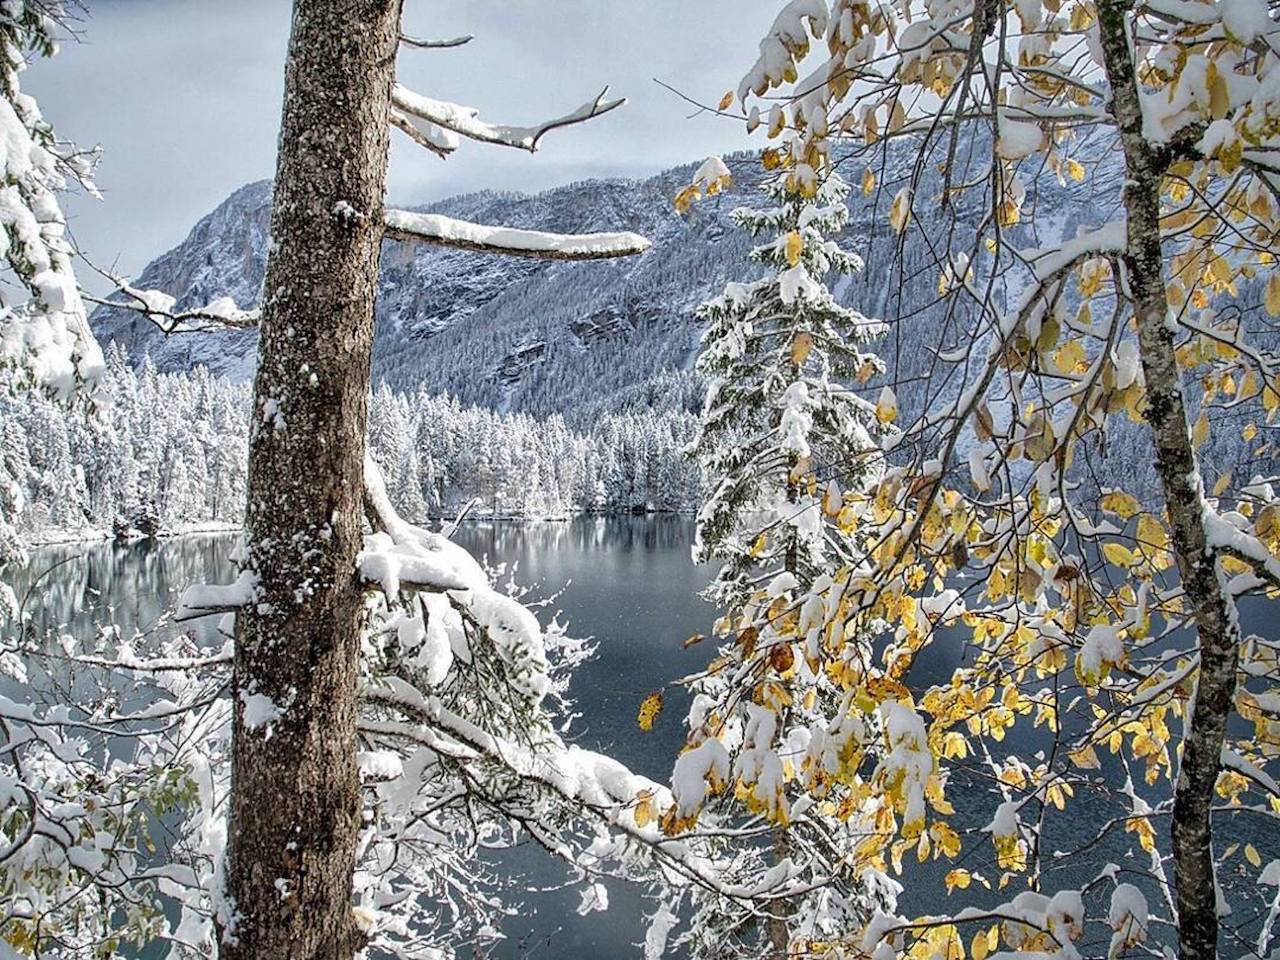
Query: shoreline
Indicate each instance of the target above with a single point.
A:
(64, 537)
(68, 537)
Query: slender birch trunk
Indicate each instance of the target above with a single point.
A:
(1211, 608)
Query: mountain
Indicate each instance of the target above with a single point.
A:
(524, 335)
(587, 339)
(520, 335)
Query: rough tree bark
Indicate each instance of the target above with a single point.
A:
(1218, 633)
(295, 788)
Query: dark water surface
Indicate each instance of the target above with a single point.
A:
(630, 584)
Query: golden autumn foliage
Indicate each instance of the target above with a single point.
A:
(997, 533)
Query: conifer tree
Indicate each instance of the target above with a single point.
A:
(782, 432)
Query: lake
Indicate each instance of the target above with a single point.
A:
(629, 583)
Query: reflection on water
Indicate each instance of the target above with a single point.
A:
(628, 582)
(78, 588)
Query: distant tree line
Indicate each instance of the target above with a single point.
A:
(163, 452)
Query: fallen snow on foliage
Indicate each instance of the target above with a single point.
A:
(712, 173)
(655, 937)
(689, 777)
(203, 599)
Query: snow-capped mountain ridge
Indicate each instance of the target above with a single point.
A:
(549, 337)
(501, 312)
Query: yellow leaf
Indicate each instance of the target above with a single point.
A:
(726, 101)
(1069, 356)
(897, 117)
(686, 197)
(1050, 330)
(1200, 431)
(978, 948)
(1271, 298)
(777, 122)
(868, 181)
(1249, 432)
(1040, 440)
(794, 247)
(1151, 532)
(1118, 554)
(887, 406)
(1010, 212)
(1251, 854)
(650, 707)
(1224, 481)
(958, 879)
(1219, 95)
(644, 808)
(1122, 504)
(900, 210)
(1075, 170)
(1086, 758)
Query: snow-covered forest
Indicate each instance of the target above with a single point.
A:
(165, 452)
(976, 350)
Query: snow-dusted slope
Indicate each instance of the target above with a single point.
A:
(503, 332)
(585, 339)
(224, 254)
(554, 337)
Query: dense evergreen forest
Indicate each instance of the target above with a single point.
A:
(163, 452)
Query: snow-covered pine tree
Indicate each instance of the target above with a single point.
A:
(45, 338)
(781, 430)
(782, 434)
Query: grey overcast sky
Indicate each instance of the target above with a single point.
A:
(184, 97)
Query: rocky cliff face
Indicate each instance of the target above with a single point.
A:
(225, 254)
(501, 332)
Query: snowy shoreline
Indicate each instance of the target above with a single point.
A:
(67, 537)
(62, 537)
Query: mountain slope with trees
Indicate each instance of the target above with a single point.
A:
(584, 340)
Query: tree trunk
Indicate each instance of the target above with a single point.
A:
(781, 911)
(295, 805)
(1218, 634)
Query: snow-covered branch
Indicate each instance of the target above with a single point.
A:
(421, 44)
(157, 306)
(447, 232)
(438, 140)
(465, 121)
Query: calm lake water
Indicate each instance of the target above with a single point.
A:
(627, 582)
(630, 584)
